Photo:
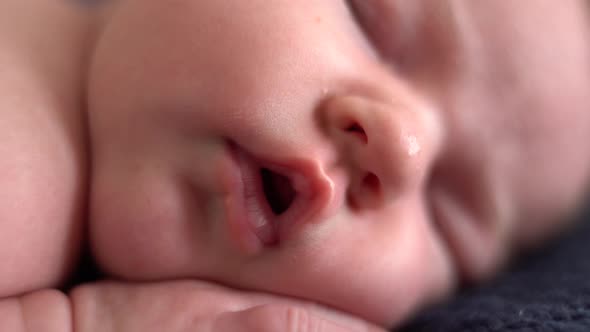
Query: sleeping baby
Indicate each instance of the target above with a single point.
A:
(328, 164)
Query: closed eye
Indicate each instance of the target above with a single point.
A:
(379, 23)
(356, 14)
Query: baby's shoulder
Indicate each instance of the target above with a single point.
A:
(37, 34)
(42, 142)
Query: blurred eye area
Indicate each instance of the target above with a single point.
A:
(411, 35)
(380, 23)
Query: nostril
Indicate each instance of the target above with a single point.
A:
(372, 184)
(358, 131)
(367, 195)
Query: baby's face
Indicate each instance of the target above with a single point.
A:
(366, 161)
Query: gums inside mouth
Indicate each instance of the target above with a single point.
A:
(278, 190)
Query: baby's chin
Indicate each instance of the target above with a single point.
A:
(385, 306)
(387, 299)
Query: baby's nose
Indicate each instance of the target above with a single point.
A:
(385, 147)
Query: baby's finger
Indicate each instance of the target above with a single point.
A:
(288, 318)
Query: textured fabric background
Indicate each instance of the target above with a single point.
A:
(549, 291)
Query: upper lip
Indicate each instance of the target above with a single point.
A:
(315, 194)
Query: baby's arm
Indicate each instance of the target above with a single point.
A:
(42, 161)
(42, 143)
(199, 306)
(168, 306)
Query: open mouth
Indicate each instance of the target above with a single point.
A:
(278, 191)
(272, 199)
(271, 196)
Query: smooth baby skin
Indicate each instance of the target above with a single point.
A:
(364, 248)
(42, 199)
(413, 143)
(43, 165)
(43, 143)
(177, 306)
(199, 306)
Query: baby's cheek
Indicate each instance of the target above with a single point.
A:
(140, 228)
(380, 268)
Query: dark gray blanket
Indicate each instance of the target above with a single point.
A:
(549, 291)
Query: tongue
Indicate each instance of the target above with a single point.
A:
(278, 190)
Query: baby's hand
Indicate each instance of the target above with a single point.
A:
(46, 310)
(199, 306)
